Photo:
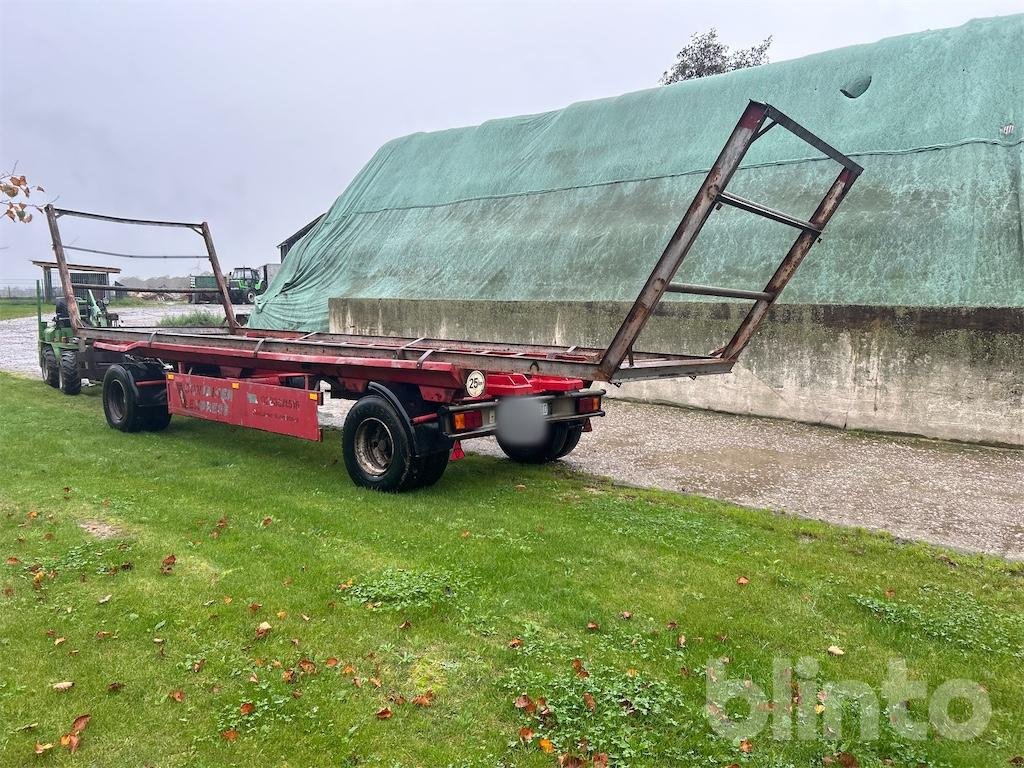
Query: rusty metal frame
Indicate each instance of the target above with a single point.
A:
(711, 195)
(418, 359)
(202, 229)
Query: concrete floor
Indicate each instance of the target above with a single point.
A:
(962, 496)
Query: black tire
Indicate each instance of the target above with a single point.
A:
(70, 376)
(376, 447)
(120, 404)
(156, 418)
(572, 439)
(549, 449)
(430, 468)
(250, 297)
(49, 367)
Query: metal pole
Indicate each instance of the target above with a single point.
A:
(682, 239)
(62, 267)
(222, 286)
(789, 265)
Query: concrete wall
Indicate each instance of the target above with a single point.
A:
(952, 373)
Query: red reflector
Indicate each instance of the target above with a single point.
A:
(465, 420)
(588, 404)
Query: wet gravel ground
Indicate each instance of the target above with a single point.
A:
(962, 496)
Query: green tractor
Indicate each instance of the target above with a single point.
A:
(246, 283)
(58, 348)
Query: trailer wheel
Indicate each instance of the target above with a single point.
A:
(572, 439)
(50, 369)
(553, 446)
(156, 418)
(430, 468)
(70, 376)
(376, 447)
(120, 405)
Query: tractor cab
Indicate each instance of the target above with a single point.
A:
(94, 313)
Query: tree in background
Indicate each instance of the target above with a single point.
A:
(11, 188)
(706, 55)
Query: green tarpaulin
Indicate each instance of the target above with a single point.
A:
(578, 203)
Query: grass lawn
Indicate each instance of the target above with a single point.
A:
(13, 308)
(474, 596)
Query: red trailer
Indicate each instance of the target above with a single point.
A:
(418, 398)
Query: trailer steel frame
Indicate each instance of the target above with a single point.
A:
(428, 389)
(618, 362)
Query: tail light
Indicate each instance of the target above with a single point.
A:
(466, 420)
(589, 404)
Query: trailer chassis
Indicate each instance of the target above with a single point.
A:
(417, 398)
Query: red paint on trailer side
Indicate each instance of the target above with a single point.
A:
(269, 407)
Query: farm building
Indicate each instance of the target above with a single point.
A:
(907, 317)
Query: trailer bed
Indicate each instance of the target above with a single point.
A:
(287, 349)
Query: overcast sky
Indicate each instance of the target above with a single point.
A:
(254, 116)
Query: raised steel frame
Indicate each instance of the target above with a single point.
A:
(441, 362)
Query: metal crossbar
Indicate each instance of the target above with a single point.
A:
(756, 120)
(202, 229)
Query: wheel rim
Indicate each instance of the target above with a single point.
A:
(374, 446)
(116, 400)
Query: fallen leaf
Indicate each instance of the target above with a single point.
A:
(230, 734)
(60, 641)
(1017, 760)
(384, 713)
(681, 641)
(80, 722)
(464, 534)
(835, 650)
(743, 581)
(890, 594)
(570, 761)
(263, 630)
(281, 614)
(177, 694)
(424, 699)
(63, 686)
(581, 671)
(526, 734)
(515, 642)
(627, 615)
(600, 760)
(593, 626)
(105, 599)
(288, 675)
(525, 703)
(307, 667)
(255, 607)
(43, 748)
(588, 699)
(746, 746)
(266, 521)
(847, 760)
(546, 746)
(13, 560)
(115, 687)
(247, 708)
(374, 681)
(71, 741)
(405, 624)
(331, 662)
(167, 564)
